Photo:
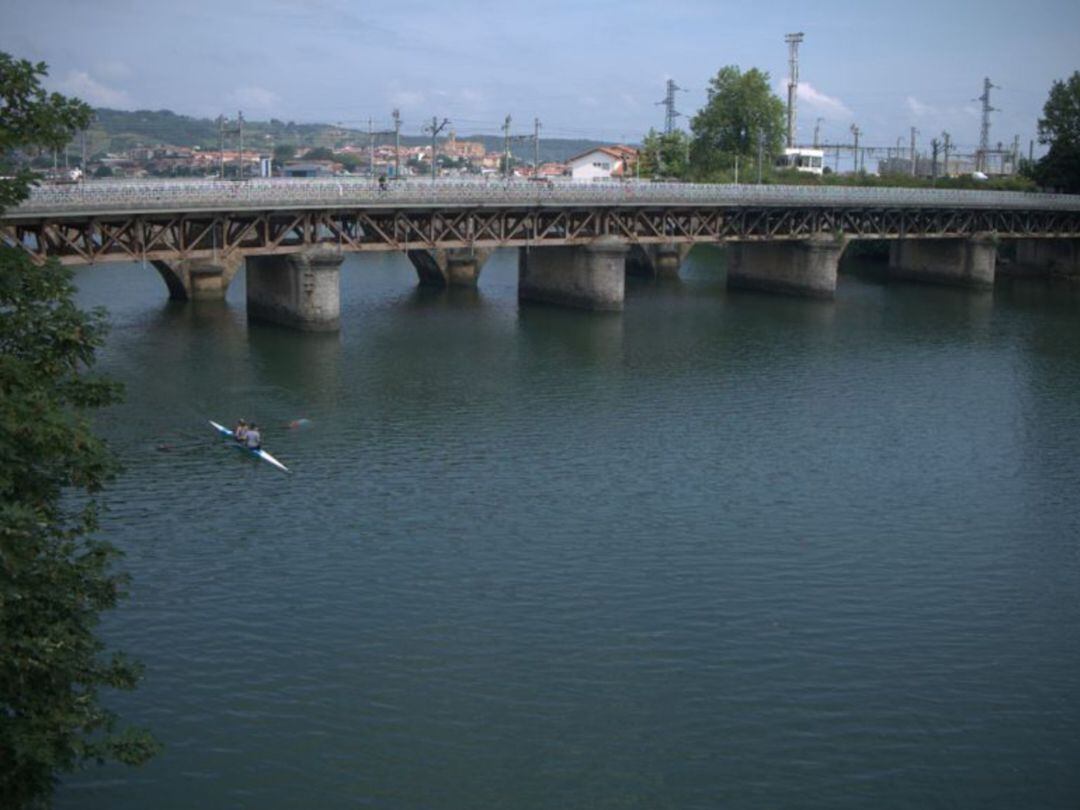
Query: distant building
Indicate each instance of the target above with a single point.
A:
(894, 165)
(552, 170)
(310, 168)
(603, 163)
(471, 150)
(802, 159)
(925, 167)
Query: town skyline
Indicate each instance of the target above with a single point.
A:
(532, 62)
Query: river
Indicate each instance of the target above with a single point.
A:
(719, 550)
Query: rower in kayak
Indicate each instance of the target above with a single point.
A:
(255, 450)
(240, 431)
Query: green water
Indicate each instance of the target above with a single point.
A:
(721, 550)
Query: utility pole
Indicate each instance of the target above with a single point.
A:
(914, 132)
(506, 147)
(397, 144)
(934, 144)
(536, 148)
(240, 128)
(221, 147)
(856, 132)
(670, 113)
(435, 129)
(1016, 155)
(948, 143)
(984, 130)
(817, 132)
(760, 152)
(371, 147)
(793, 41)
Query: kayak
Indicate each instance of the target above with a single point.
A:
(260, 453)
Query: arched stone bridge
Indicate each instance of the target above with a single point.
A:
(575, 239)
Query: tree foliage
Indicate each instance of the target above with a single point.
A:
(55, 576)
(740, 112)
(319, 153)
(665, 154)
(283, 152)
(30, 118)
(1060, 128)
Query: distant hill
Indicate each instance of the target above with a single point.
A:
(120, 130)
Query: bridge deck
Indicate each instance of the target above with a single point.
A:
(126, 198)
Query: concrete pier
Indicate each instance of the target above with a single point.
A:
(456, 267)
(806, 267)
(1051, 257)
(199, 279)
(960, 262)
(589, 276)
(656, 261)
(301, 290)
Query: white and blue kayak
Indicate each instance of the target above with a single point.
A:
(260, 453)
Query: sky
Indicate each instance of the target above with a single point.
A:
(587, 68)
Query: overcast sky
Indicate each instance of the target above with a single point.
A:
(587, 68)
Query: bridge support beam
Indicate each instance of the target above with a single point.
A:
(967, 262)
(1052, 257)
(301, 290)
(199, 279)
(656, 261)
(591, 276)
(806, 267)
(457, 267)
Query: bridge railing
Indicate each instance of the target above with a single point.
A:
(145, 196)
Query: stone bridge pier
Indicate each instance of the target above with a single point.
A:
(806, 267)
(301, 290)
(199, 279)
(656, 261)
(590, 276)
(456, 267)
(1055, 257)
(967, 262)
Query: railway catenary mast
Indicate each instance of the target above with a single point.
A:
(793, 41)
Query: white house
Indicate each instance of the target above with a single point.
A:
(801, 159)
(603, 163)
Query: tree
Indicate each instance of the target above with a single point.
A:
(1060, 128)
(56, 577)
(349, 161)
(283, 152)
(30, 118)
(319, 153)
(740, 113)
(664, 154)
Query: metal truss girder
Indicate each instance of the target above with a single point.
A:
(85, 239)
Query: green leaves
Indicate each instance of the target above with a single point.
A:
(741, 112)
(1060, 127)
(665, 154)
(55, 576)
(31, 118)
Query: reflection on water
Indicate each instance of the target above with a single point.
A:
(732, 550)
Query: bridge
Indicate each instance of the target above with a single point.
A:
(576, 240)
